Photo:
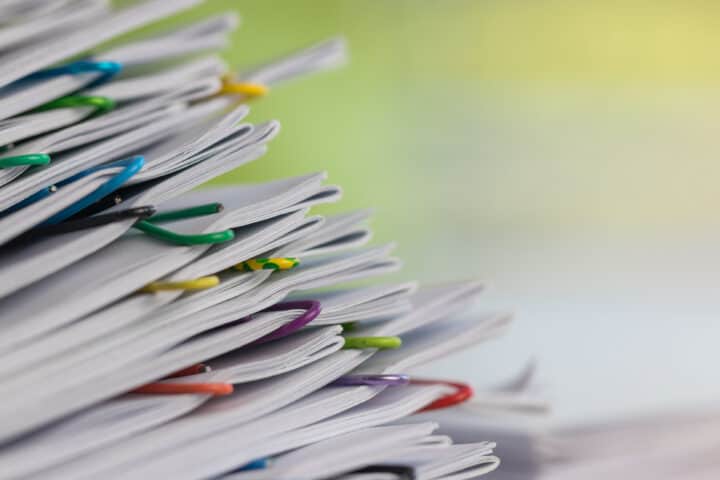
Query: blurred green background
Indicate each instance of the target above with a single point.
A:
(511, 118)
(565, 152)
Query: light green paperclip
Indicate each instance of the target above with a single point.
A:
(25, 160)
(382, 343)
(180, 239)
(101, 104)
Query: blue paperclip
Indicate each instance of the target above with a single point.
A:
(35, 197)
(106, 68)
(131, 167)
(259, 464)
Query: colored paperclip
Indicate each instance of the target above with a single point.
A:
(349, 326)
(118, 197)
(170, 388)
(463, 392)
(107, 69)
(401, 472)
(149, 226)
(90, 222)
(246, 89)
(160, 233)
(131, 167)
(259, 464)
(35, 197)
(372, 380)
(381, 343)
(184, 213)
(99, 103)
(201, 283)
(191, 370)
(27, 160)
(312, 310)
(277, 263)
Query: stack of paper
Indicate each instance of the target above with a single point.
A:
(151, 329)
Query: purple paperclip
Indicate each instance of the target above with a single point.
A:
(312, 310)
(372, 380)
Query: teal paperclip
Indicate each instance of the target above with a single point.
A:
(130, 167)
(259, 464)
(107, 69)
(35, 197)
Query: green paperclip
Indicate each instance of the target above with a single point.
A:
(382, 343)
(199, 211)
(101, 104)
(180, 239)
(25, 160)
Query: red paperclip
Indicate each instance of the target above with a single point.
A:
(191, 370)
(463, 392)
(169, 388)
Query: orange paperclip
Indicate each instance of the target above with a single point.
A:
(169, 388)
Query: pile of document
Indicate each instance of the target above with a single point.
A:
(149, 328)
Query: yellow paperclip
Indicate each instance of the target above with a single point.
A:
(246, 89)
(277, 263)
(201, 283)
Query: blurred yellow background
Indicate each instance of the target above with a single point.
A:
(496, 114)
